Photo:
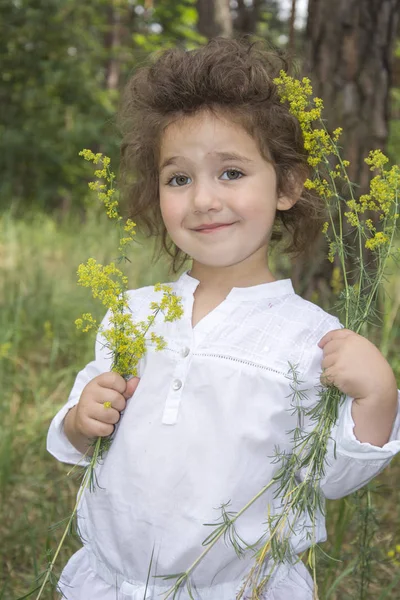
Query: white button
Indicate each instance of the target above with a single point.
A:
(177, 384)
(185, 352)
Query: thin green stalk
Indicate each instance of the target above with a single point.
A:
(381, 272)
(88, 479)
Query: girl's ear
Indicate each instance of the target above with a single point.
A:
(286, 202)
(295, 189)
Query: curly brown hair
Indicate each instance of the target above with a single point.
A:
(230, 76)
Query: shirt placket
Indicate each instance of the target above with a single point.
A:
(184, 351)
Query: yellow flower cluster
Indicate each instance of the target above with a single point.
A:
(126, 340)
(379, 239)
(298, 94)
(320, 186)
(107, 194)
(170, 304)
(394, 555)
(5, 349)
(384, 188)
(105, 191)
(107, 282)
(129, 229)
(336, 281)
(382, 199)
(86, 322)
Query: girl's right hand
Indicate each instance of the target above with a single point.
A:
(99, 408)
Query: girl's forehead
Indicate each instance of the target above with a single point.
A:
(205, 117)
(206, 128)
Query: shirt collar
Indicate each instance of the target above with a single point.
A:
(274, 289)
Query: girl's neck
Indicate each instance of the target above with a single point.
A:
(220, 280)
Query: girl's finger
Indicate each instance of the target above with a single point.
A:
(98, 428)
(333, 346)
(326, 378)
(105, 415)
(115, 399)
(328, 361)
(113, 381)
(335, 334)
(131, 386)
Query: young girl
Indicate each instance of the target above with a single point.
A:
(219, 165)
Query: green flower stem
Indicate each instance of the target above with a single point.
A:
(380, 272)
(88, 481)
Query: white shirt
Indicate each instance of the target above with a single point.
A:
(200, 431)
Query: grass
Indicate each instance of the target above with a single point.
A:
(40, 353)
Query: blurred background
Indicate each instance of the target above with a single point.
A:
(63, 66)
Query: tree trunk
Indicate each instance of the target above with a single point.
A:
(248, 16)
(111, 42)
(214, 18)
(350, 60)
(292, 30)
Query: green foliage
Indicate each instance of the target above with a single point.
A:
(52, 96)
(394, 126)
(55, 93)
(169, 24)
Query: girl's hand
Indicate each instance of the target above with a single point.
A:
(99, 409)
(355, 366)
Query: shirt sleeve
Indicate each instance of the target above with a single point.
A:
(349, 463)
(57, 442)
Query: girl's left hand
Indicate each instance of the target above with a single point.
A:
(355, 366)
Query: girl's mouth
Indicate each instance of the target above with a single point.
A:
(212, 227)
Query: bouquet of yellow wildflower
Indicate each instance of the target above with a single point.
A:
(125, 339)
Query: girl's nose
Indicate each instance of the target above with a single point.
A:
(206, 197)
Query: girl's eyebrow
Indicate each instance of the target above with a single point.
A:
(232, 156)
(169, 161)
(224, 156)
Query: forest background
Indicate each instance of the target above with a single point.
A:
(63, 66)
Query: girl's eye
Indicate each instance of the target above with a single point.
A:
(178, 180)
(233, 174)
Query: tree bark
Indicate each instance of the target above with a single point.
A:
(214, 18)
(350, 60)
(111, 42)
(292, 30)
(247, 16)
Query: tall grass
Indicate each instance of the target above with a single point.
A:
(40, 353)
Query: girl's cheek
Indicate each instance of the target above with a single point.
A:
(171, 210)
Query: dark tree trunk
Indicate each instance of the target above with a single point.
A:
(292, 27)
(248, 16)
(214, 18)
(112, 40)
(350, 60)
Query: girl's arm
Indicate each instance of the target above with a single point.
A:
(351, 464)
(358, 369)
(58, 443)
(366, 435)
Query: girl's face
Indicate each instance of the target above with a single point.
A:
(218, 195)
